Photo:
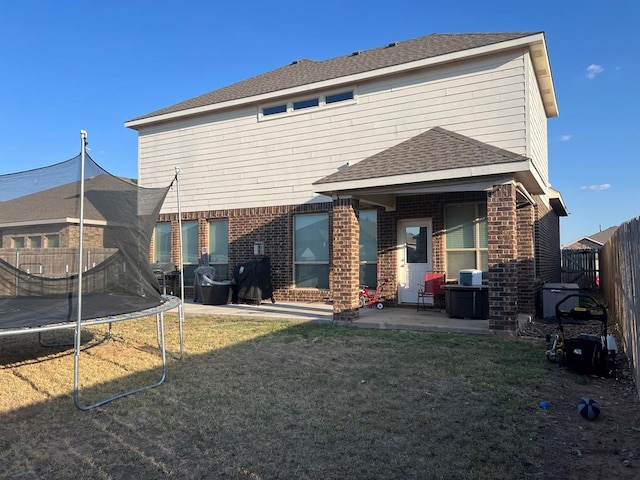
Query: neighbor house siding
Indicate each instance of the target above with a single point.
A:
(537, 148)
(233, 159)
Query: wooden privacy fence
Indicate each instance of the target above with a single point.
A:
(581, 267)
(620, 284)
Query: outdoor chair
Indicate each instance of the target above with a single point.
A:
(431, 293)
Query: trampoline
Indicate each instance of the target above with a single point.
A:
(74, 244)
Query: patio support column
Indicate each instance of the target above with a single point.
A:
(502, 256)
(345, 270)
(526, 267)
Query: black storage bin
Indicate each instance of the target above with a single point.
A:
(216, 294)
(464, 301)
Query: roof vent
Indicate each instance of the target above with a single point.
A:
(393, 44)
(357, 52)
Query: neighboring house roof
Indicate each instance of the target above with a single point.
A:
(431, 151)
(61, 204)
(307, 71)
(596, 240)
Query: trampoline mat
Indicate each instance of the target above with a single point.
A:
(27, 312)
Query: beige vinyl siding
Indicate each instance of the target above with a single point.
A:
(537, 120)
(232, 159)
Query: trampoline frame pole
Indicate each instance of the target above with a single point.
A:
(181, 260)
(78, 330)
(160, 329)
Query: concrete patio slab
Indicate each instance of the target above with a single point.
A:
(389, 318)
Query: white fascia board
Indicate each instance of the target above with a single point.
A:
(381, 72)
(439, 175)
(52, 221)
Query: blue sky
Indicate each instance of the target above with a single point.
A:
(92, 65)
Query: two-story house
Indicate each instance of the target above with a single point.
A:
(423, 155)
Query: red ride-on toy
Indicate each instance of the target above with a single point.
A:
(373, 297)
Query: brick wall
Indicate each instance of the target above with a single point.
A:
(271, 225)
(418, 206)
(345, 271)
(503, 270)
(509, 232)
(526, 266)
(547, 243)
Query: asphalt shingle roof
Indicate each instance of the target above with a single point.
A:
(435, 149)
(307, 71)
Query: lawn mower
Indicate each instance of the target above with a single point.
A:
(589, 352)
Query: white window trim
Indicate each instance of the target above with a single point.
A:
(321, 104)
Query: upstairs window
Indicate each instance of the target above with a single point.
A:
(35, 241)
(275, 109)
(17, 242)
(52, 241)
(312, 102)
(339, 97)
(297, 105)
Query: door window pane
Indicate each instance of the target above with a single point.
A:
(417, 241)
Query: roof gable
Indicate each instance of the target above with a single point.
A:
(436, 149)
(596, 240)
(305, 72)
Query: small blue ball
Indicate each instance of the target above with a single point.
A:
(544, 404)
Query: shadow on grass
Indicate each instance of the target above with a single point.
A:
(270, 399)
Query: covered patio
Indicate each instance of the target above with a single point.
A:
(418, 180)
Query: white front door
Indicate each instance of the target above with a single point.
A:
(414, 257)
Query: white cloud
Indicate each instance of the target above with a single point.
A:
(602, 186)
(565, 138)
(593, 70)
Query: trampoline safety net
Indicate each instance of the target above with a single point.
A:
(39, 245)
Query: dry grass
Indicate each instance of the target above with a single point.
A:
(267, 399)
